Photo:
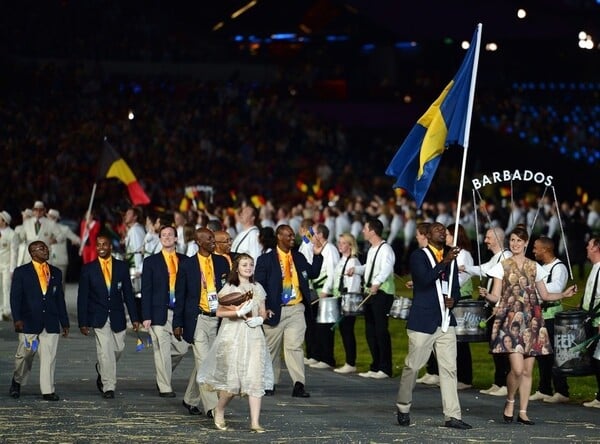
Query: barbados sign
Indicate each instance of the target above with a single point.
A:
(508, 176)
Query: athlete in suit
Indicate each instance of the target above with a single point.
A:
(199, 279)
(39, 313)
(430, 270)
(287, 305)
(157, 304)
(104, 290)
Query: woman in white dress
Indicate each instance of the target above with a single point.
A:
(239, 362)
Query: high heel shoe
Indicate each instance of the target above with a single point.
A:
(257, 429)
(508, 419)
(221, 425)
(524, 421)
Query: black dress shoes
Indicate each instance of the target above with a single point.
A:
(270, 392)
(192, 409)
(99, 381)
(403, 418)
(524, 421)
(50, 397)
(299, 392)
(109, 394)
(166, 394)
(15, 389)
(454, 423)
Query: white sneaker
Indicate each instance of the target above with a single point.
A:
(502, 391)
(463, 386)
(380, 375)
(431, 379)
(368, 374)
(594, 404)
(493, 388)
(423, 378)
(539, 396)
(345, 369)
(310, 361)
(320, 364)
(557, 398)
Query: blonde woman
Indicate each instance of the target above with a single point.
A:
(342, 285)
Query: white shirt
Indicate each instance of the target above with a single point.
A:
(590, 290)
(350, 283)
(247, 242)
(464, 258)
(484, 268)
(306, 250)
(395, 227)
(558, 278)
(134, 245)
(331, 257)
(383, 266)
(342, 224)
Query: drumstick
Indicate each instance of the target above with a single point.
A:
(585, 344)
(334, 326)
(365, 300)
(317, 300)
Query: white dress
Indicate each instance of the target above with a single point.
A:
(239, 361)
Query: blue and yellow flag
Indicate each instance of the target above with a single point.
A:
(443, 124)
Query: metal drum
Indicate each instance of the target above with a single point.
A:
(469, 314)
(350, 304)
(569, 332)
(329, 311)
(400, 308)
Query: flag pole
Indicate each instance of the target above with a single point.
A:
(446, 317)
(86, 231)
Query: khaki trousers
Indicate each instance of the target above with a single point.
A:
(47, 346)
(109, 348)
(204, 336)
(289, 333)
(168, 352)
(420, 346)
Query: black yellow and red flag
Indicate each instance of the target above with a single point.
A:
(112, 165)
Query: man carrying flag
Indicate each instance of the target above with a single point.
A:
(446, 122)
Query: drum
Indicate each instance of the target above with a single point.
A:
(569, 332)
(400, 308)
(329, 311)
(350, 304)
(469, 314)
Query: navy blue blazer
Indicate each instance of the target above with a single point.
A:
(95, 304)
(268, 274)
(425, 315)
(187, 292)
(155, 288)
(36, 310)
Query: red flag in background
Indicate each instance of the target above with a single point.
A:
(112, 165)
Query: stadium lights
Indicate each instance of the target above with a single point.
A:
(585, 40)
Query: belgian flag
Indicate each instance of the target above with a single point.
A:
(112, 165)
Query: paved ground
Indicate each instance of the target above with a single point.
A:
(342, 409)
